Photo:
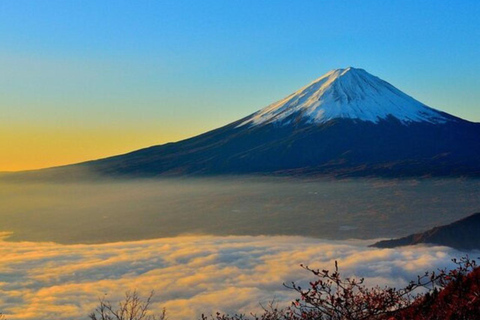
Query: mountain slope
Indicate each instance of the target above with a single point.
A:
(462, 234)
(346, 123)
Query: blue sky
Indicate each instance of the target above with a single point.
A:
(95, 78)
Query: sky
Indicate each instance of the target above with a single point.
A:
(82, 80)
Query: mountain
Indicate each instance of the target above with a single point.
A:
(346, 123)
(462, 234)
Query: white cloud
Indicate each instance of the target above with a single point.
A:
(190, 275)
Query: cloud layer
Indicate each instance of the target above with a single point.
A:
(190, 275)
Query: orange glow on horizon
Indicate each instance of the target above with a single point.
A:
(31, 148)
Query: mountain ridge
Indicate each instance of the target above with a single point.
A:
(463, 234)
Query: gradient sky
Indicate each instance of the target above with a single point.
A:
(81, 80)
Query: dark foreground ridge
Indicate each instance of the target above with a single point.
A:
(463, 234)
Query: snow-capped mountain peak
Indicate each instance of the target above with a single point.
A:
(346, 93)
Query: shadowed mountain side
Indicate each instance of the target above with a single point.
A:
(462, 234)
(342, 147)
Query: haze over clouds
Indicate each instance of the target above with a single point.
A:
(190, 275)
(147, 209)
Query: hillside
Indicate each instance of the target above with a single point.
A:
(463, 234)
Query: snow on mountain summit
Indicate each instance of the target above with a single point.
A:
(346, 93)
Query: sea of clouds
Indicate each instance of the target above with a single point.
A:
(190, 275)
